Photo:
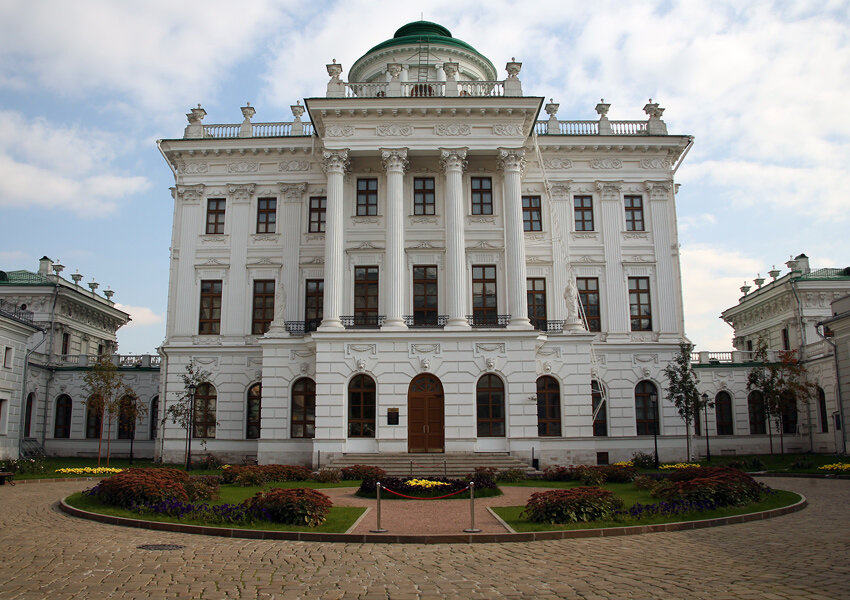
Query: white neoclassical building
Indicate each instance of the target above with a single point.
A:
(425, 267)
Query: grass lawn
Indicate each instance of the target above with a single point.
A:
(53, 463)
(511, 514)
(340, 518)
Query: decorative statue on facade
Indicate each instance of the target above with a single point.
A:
(573, 322)
(278, 325)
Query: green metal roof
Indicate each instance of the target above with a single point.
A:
(23, 278)
(423, 31)
(827, 273)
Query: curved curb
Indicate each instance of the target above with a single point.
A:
(478, 538)
(55, 479)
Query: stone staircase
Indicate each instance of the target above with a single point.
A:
(450, 464)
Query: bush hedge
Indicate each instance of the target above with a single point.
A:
(263, 474)
(362, 472)
(137, 486)
(297, 506)
(591, 475)
(574, 505)
(721, 485)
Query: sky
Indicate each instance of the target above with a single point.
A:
(87, 87)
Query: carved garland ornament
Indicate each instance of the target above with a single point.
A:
(452, 129)
(606, 163)
(394, 129)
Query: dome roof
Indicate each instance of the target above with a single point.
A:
(424, 31)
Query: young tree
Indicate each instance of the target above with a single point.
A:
(130, 411)
(179, 411)
(104, 384)
(682, 389)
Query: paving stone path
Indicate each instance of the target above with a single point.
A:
(45, 554)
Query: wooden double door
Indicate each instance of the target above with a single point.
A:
(425, 415)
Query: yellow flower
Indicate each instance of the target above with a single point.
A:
(425, 483)
(88, 470)
(679, 466)
(835, 467)
(624, 463)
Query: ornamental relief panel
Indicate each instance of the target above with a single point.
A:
(558, 163)
(655, 163)
(452, 129)
(243, 167)
(265, 238)
(352, 349)
(288, 166)
(192, 168)
(215, 240)
(339, 131)
(497, 348)
(510, 129)
(430, 220)
(394, 129)
(606, 163)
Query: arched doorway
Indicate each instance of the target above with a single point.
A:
(425, 415)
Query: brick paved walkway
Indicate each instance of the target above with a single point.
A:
(47, 554)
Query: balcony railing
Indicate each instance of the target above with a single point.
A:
(547, 325)
(414, 89)
(122, 361)
(425, 322)
(488, 320)
(300, 328)
(362, 321)
(10, 310)
(259, 130)
(733, 357)
(592, 128)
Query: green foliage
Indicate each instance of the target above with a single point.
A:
(135, 486)
(247, 475)
(511, 475)
(643, 460)
(574, 505)
(644, 482)
(203, 487)
(328, 476)
(297, 506)
(682, 390)
(722, 485)
(178, 410)
(23, 466)
(590, 475)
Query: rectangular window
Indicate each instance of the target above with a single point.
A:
(424, 295)
(482, 196)
(786, 342)
(484, 309)
(7, 358)
(215, 216)
(600, 422)
(536, 296)
(314, 304)
(639, 308)
(583, 207)
(266, 215)
(66, 343)
(634, 213)
(209, 322)
(367, 197)
(263, 312)
(423, 196)
(318, 208)
(366, 296)
(531, 220)
(588, 295)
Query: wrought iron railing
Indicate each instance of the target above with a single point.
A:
(299, 328)
(488, 320)
(16, 312)
(548, 325)
(429, 321)
(362, 321)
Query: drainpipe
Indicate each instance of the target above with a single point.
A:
(837, 389)
(163, 370)
(24, 391)
(49, 367)
(802, 347)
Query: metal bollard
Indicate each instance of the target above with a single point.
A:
(472, 528)
(378, 529)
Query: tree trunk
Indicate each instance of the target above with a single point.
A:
(770, 434)
(780, 429)
(100, 437)
(688, 438)
(108, 441)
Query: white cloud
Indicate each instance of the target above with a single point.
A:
(10, 258)
(141, 316)
(52, 166)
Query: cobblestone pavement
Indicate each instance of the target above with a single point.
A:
(47, 554)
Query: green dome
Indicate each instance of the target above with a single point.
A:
(424, 31)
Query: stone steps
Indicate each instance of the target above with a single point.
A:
(432, 465)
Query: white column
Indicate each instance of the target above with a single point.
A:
(617, 304)
(453, 160)
(335, 164)
(394, 281)
(511, 161)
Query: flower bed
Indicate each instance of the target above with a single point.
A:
(591, 475)
(262, 474)
(667, 467)
(836, 468)
(88, 471)
(427, 488)
(572, 505)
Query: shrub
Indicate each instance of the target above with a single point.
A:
(203, 487)
(328, 476)
(643, 460)
(642, 482)
(362, 472)
(262, 474)
(558, 473)
(297, 506)
(483, 477)
(572, 506)
(589, 476)
(137, 486)
(756, 464)
(23, 466)
(721, 485)
(209, 461)
(801, 463)
(617, 473)
(511, 475)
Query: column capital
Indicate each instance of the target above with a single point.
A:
(453, 159)
(512, 159)
(240, 193)
(335, 161)
(292, 192)
(658, 190)
(394, 159)
(609, 190)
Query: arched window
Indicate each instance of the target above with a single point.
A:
(361, 407)
(646, 408)
(789, 414)
(94, 420)
(62, 422)
(548, 406)
(154, 417)
(490, 401)
(723, 413)
(824, 419)
(755, 406)
(28, 422)
(600, 423)
(304, 409)
(127, 418)
(204, 418)
(252, 412)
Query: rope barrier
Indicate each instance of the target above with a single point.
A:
(432, 498)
